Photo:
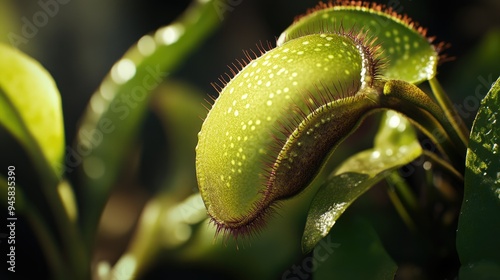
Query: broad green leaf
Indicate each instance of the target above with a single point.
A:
(117, 108)
(352, 251)
(30, 111)
(395, 145)
(30, 108)
(409, 54)
(482, 270)
(478, 236)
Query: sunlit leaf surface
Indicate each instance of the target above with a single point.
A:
(478, 235)
(30, 107)
(395, 146)
(409, 54)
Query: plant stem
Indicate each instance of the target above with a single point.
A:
(43, 233)
(72, 243)
(402, 211)
(444, 188)
(444, 165)
(449, 110)
(66, 230)
(50, 249)
(416, 104)
(403, 199)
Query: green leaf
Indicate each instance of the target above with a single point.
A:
(264, 141)
(478, 236)
(482, 270)
(395, 145)
(117, 108)
(353, 251)
(30, 108)
(410, 55)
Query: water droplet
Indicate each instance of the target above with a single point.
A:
(123, 71)
(98, 104)
(108, 90)
(169, 34)
(344, 176)
(327, 219)
(146, 45)
(427, 165)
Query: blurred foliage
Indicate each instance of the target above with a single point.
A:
(38, 126)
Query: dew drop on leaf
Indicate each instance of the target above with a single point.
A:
(327, 219)
(494, 149)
